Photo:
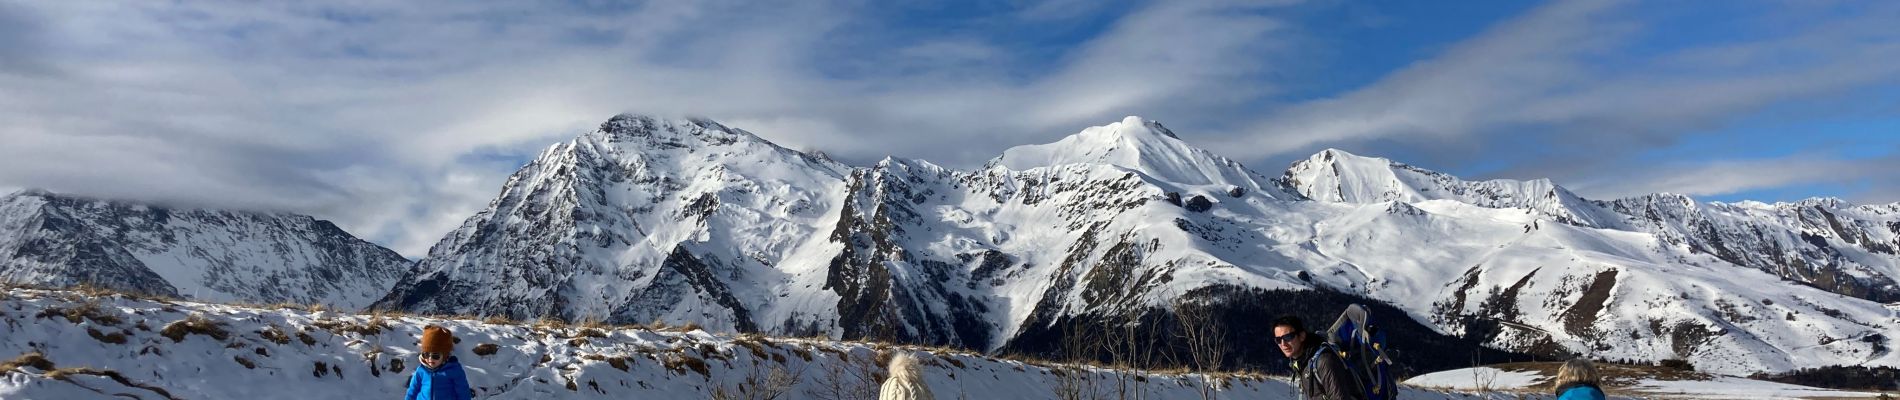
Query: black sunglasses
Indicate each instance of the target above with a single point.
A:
(431, 356)
(1286, 338)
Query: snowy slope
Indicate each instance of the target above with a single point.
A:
(1689, 386)
(247, 353)
(688, 220)
(56, 240)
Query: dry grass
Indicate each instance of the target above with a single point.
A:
(90, 291)
(66, 374)
(500, 320)
(679, 363)
(85, 310)
(196, 324)
(486, 349)
(593, 323)
(550, 323)
(689, 327)
(309, 308)
(374, 326)
(111, 338)
(274, 334)
(802, 353)
(754, 343)
(33, 359)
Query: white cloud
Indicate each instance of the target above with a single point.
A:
(1735, 176)
(1574, 74)
(399, 119)
(372, 114)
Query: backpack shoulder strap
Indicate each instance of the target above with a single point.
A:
(1314, 359)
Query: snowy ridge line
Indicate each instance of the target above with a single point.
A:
(103, 346)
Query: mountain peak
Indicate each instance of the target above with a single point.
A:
(1330, 154)
(37, 192)
(1137, 144)
(1133, 127)
(669, 132)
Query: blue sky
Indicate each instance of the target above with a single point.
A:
(399, 119)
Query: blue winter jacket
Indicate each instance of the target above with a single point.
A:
(443, 383)
(1580, 392)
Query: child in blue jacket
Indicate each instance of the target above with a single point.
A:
(439, 376)
(1577, 380)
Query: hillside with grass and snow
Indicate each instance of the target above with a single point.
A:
(99, 345)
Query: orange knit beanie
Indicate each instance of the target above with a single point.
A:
(437, 340)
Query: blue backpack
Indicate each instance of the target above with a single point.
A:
(1361, 346)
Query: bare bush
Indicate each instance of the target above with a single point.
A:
(1205, 337)
(761, 384)
(847, 379)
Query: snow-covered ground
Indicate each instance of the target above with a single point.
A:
(1728, 387)
(1534, 382)
(108, 346)
(1479, 378)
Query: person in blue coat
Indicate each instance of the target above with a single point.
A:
(439, 376)
(1577, 380)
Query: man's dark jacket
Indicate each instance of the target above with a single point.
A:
(1327, 377)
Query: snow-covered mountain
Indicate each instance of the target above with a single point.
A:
(1337, 176)
(690, 220)
(56, 240)
(641, 220)
(1826, 243)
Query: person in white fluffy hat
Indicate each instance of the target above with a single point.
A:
(906, 383)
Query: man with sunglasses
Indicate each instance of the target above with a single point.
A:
(440, 375)
(1317, 370)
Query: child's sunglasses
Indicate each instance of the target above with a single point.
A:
(431, 356)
